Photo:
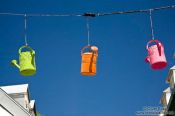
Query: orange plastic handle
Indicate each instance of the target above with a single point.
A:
(82, 51)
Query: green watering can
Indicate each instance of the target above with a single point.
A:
(26, 64)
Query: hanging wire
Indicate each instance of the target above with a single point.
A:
(53, 15)
(25, 29)
(88, 31)
(137, 11)
(151, 23)
(88, 15)
(15, 14)
(92, 14)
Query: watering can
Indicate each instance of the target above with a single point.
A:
(89, 59)
(26, 64)
(156, 56)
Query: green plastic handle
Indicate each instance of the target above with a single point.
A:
(28, 47)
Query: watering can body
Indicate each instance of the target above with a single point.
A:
(89, 60)
(27, 64)
(156, 56)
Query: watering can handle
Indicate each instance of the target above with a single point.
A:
(157, 43)
(28, 47)
(82, 51)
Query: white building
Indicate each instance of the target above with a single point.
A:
(166, 97)
(15, 101)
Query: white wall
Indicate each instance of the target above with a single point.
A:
(4, 112)
(11, 105)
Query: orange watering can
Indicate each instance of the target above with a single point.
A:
(89, 59)
(156, 56)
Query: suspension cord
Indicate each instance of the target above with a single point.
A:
(151, 23)
(92, 14)
(88, 31)
(25, 30)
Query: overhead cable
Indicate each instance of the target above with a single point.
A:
(88, 14)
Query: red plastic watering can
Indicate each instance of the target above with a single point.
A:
(156, 56)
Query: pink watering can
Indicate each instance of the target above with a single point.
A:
(156, 56)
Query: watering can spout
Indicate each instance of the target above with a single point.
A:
(147, 59)
(14, 63)
(94, 48)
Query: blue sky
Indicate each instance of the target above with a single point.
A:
(124, 83)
